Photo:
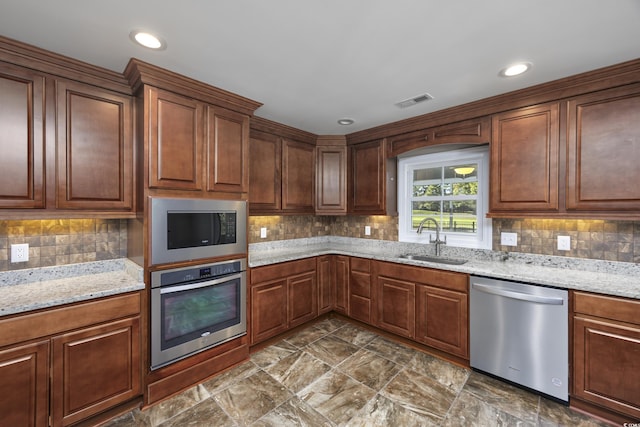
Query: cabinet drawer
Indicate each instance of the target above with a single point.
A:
(360, 264)
(280, 270)
(614, 308)
(25, 327)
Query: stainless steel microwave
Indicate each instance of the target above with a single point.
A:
(188, 229)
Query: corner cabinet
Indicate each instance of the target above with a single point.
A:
(606, 340)
(524, 160)
(331, 176)
(72, 363)
(372, 180)
(603, 151)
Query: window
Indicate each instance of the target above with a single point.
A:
(451, 187)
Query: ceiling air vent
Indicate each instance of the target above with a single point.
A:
(413, 101)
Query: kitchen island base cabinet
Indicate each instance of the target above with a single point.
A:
(282, 296)
(606, 339)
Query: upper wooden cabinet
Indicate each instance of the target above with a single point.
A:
(66, 140)
(94, 148)
(331, 176)
(372, 180)
(196, 136)
(603, 152)
(22, 115)
(176, 125)
(524, 160)
(475, 131)
(282, 169)
(227, 151)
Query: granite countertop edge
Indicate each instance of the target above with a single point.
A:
(46, 287)
(603, 277)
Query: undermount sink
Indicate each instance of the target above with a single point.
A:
(431, 258)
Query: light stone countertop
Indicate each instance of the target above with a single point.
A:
(45, 287)
(604, 277)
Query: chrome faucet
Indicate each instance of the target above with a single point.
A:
(437, 241)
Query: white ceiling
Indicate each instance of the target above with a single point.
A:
(311, 62)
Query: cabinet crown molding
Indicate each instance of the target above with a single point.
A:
(140, 73)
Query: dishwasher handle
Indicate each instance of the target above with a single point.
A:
(517, 295)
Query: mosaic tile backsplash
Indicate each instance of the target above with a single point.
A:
(70, 241)
(594, 239)
(63, 241)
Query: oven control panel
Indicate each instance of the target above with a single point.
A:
(191, 274)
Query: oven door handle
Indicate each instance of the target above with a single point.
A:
(191, 286)
(517, 295)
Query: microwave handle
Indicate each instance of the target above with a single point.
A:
(215, 239)
(204, 284)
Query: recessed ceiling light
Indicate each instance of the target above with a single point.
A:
(148, 40)
(515, 69)
(345, 122)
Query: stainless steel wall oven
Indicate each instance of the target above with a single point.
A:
(195, 308)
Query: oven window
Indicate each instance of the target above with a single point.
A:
(188, 314)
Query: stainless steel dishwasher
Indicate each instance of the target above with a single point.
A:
(519, 332)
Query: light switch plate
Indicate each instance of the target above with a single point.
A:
(509, 239)
(20, 252)
(564, 243)
(367, 230)
(263, 232)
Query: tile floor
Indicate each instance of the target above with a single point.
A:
(334, 373)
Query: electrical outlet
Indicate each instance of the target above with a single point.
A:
(564, 243)
(20, 252)
(509, 239)
(367, 230)
(263, 232)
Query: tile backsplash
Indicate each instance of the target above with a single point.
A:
(63, 241)
(69, 241)
(594, 239)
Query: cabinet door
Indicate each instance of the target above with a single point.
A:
(94, 369)
(265, 171)
(227, 151)
(603, 151)
(24, 385)
(298, 177)
(95, 148)
(367, 179)
(325, 283)
(22, 112)
(341, 288)
(176, 128)
(524, 160)
(302, 300)
(442, 319)
(360, 292)
(331, 180)
(396, 306)
(605, 364)
(268, 310)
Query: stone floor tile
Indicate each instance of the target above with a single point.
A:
(370, 369)
(553, 414)
(355, 335)
(469, 410)
(392, 350)
(444, 372)
(251, 398)
(272, 354)
(293, 412)
(331, 350)
(336, 396)
(222, 381)
(382, 412)
(206, 413)
(306, 337)
(298, 370)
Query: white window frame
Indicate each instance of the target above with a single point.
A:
(482, 239)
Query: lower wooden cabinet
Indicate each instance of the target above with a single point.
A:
(341, 277)
(74, 362)
(282, 296)
(360, 292)
(427, 305)
(326, 282)
(606, 353)
(94, 369)
(24, 385)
